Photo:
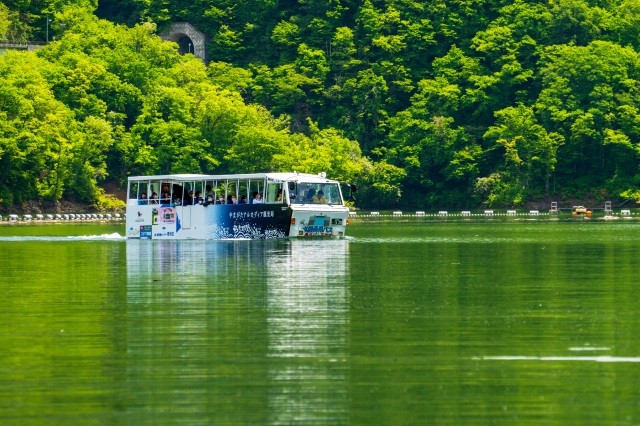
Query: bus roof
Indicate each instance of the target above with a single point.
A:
(285, 177)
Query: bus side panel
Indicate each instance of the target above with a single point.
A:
(139, 221)
(165, 222)
(248, 221)
(213, 221)
(184, 213)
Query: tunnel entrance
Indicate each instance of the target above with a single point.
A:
(189, 39)
(185, 45)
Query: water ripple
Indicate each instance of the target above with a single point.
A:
(603, 358)
(102, 237)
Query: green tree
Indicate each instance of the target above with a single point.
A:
(530, 156)
(366, 114)
(5, 23)
(575, 21)
(295, 88)
(167, 133)
(229, 77)
(36, 132)
(324, 150)
(502, 56)
(589, 96)
(87, 164)
(437, 157)
(380, 185)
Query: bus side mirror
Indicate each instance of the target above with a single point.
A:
(292, 186)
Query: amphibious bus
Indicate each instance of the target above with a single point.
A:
(248, 206)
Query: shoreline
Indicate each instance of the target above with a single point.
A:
(358, 216)
(37, 219)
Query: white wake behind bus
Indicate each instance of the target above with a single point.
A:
(256, 205)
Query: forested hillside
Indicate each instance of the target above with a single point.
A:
(449, 103)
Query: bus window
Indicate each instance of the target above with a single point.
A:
(176, 193)
(255, 186)
(243, 192)
(332, 193)
(274, 192)
(209, 192)
(133, 193)
(165, 192)
(186, 196)
(219, 188)
(231, 190)
(154, 188)
(133, 190)
(198, 191)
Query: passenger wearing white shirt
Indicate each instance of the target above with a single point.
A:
(257, 198)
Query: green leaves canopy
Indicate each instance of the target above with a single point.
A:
(448, 103)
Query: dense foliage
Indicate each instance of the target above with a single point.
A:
(442, 104)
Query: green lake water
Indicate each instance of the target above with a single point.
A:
(486, 322)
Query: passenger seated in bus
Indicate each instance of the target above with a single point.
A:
(220, 199)
(154, 198)
(176, 198)
(188, 198)
(209, 190)
(242, 200)
(209, 200)
(232, 199)
(257, 198)
(143, 199)
(319, 198)
(197, 199)
(279, 195)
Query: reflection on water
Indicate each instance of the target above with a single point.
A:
(50, 238)
(269, 314)
(307, 328)
(603, 358)
(455, 323)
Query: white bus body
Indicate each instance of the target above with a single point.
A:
(256, 205)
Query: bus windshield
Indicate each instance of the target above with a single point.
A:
(315, 193)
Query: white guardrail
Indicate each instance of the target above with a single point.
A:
(483, 214)
(62, 217)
